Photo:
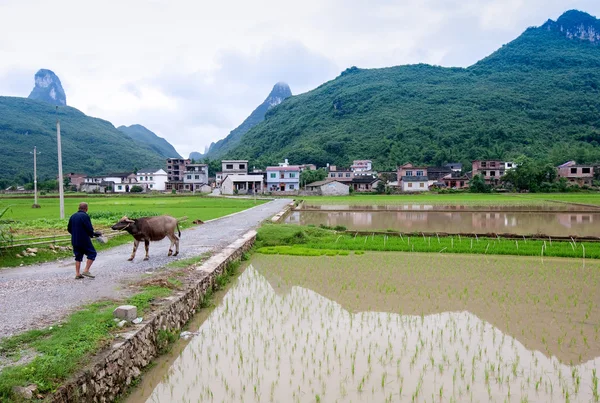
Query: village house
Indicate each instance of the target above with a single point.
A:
(76, 180)
(364, 183)
(152, 179)
(96, 184)
(231, 167)
(575, 173)
(283, 178)
(310, 167)
(454, 166)
(242, 184)
(176, 168)
(362, 166)
(115, 182)
(123, 181)
(195, 178)
(343, 175)
(490, 170)
(413, 178)
(328, 188)
(456, 180)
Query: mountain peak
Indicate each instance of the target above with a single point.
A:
(279, 92)
(575, 24)
(48, 88)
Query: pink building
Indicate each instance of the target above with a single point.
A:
(342, 175)
(490, 170)
(580, 174)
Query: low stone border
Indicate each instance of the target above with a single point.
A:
(113, 370)
(280, 216)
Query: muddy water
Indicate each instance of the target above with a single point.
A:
(516, 222)
(557, 207)
(428, 327)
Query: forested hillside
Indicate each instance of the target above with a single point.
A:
(537, 96)
(149, 139)
(89, 145)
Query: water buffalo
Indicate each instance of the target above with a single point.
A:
(150, 229)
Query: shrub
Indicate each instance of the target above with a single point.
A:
(136, 189)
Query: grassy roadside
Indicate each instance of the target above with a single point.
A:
(62, 349)
(496, 199)
(312, 241)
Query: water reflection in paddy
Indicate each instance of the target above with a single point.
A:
(516, 222)
(391, 326)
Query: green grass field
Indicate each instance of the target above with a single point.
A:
(313, 241)
(194, 207)
(473, 199)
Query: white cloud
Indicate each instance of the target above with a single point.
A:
(192, 71)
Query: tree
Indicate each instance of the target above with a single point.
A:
(308, 176)
(136, 189)
(530, 175)
(380, 188)
(478, 185)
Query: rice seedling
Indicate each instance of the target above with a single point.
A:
(346, 327)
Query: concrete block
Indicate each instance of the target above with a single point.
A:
(126, 312)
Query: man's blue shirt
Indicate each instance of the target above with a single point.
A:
(81, 230)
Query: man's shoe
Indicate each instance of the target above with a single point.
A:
(88, 274)
(79, 277)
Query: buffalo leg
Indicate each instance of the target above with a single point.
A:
(147, 245)
(174, 241)
(170, 245)
(135, 246)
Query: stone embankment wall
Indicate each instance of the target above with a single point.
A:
(279, 217)
(113, 370)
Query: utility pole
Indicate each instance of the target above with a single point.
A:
(35, 200)
(61, 191)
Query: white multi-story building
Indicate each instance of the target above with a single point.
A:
(152, 179)
(231, 167)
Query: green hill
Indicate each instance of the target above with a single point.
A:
(537, 96)
(148, 139)
(89, 145)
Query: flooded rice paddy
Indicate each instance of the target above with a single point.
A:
(393, 327)
(522, 220)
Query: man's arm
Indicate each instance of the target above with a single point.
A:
(87, 224)
(69, 226)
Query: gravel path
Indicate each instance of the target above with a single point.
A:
(35, 296)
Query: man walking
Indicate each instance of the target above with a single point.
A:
(81, 230)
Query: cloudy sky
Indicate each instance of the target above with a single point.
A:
(191, 71)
